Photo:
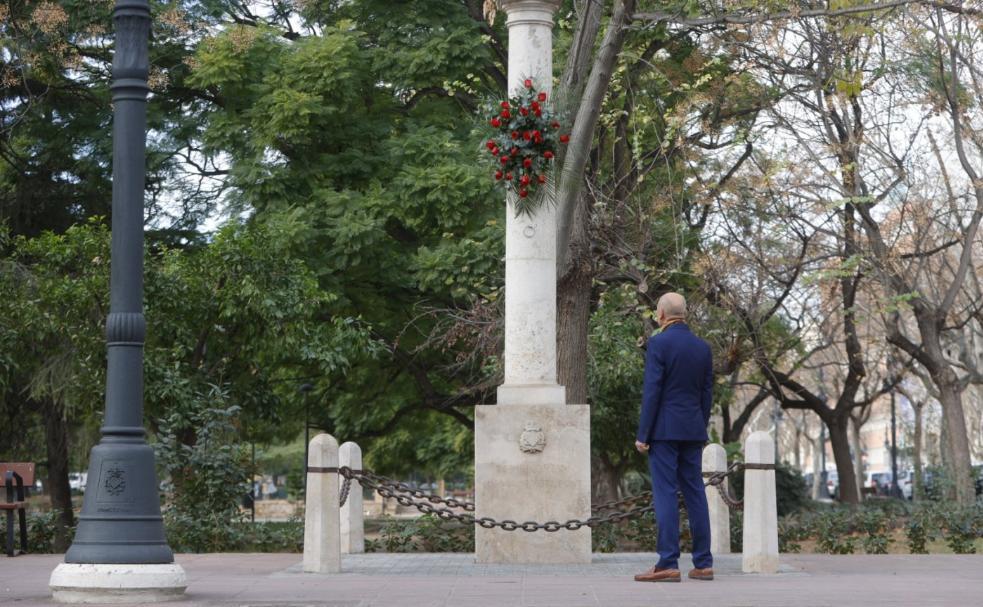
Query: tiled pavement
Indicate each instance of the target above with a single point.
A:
(454, 580)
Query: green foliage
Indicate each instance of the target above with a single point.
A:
(962, 525)
(875, 524)
(834, 531)
(791, 492)
(427, 533)
(195, 448)
(919, 530)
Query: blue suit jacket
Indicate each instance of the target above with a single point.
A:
(678, 388)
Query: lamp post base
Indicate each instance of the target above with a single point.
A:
(117, 583)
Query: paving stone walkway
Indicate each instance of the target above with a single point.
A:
(454, 580)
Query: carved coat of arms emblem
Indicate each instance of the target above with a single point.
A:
(532, 439)
(115, 482)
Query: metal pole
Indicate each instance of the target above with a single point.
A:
(895, 488)
(306, 390)
(252, 487)
(120, 520)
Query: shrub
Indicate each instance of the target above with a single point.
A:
(834, 531)
(425, 534)
(198, 449)
(874, 523)
(40, 532)
(961, 527)
(736, 531)
(917, 532)
(791, 493)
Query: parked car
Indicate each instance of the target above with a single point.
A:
(906, 479)
(880, 482)
(76, 481)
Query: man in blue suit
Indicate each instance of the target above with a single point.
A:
(676, 401)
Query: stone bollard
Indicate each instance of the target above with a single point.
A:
(322, 533)
(715, 460)
(352, 514)
(760, 511)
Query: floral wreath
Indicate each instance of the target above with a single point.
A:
(525, 145)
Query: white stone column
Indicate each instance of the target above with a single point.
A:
(352, 513)
(715, 460)
(530, 241)
(532, 450)
(760, 509)
(322, 520)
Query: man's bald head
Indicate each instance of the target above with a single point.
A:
(671, 306)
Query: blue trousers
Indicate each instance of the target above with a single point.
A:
(678, 466)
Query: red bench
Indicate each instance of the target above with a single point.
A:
(15, 476)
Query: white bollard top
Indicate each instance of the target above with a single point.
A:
(323, 451)
(714, 458)
(759, 448)
(351, 454)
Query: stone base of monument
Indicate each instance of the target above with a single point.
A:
(117, 583)
(532, 463)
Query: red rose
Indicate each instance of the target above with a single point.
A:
(523, 111)
(542, 179)
(534, 105)
(524, 180)
(564, 138)
(528, 83)
(495, 122)
(539, 113)
(515, 134)
(498, 175)
(555, 124)
(527, 162)
(542, 97)
(527, 135)
(504, 159)
(515, 151)
(547, 154)
(505, 105)
(506, 114)
(536, 133)
(491, 144)
(508, 176)
(538, 139)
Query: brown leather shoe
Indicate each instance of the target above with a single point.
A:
(701, 574)
(659, 575)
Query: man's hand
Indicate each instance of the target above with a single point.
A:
(642, 447)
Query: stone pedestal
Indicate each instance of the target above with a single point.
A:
(715, 460)
(117, 583)
(760, 507)
(532, 462)
(352, 514)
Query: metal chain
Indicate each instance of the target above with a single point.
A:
(346, 487)
(407, 496)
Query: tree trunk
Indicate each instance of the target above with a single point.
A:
(59, 491)
(917, 490)
(840, 441)
(959, 465)
(798, 448)
(817, 462)
(858, 456)
(573, 301)
(605, 480)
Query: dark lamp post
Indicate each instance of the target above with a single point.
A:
(120, 520)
